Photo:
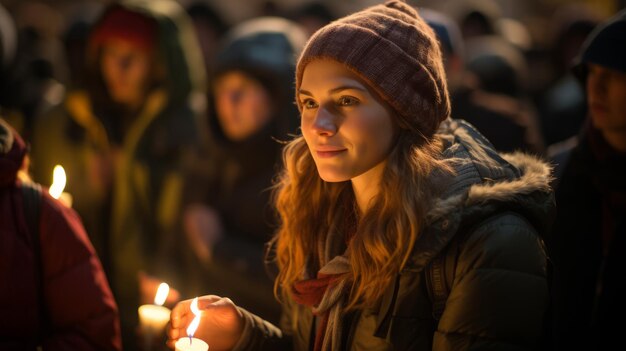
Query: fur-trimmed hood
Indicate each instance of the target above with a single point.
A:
(485, 183)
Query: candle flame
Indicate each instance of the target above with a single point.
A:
(161, 294)
(58, 182)
(193, 326)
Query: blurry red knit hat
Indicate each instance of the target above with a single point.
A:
(121, 23)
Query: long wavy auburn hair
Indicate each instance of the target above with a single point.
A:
(308, 209)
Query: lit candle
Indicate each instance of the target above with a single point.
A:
(58, 184)
(153, 318)
(191, 343)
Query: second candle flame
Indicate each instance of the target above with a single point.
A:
(58, 182)
(161, 294)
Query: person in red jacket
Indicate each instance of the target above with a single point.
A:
(54, 292)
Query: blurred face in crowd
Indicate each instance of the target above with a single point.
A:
(606, 92)
(348, 130)
(126, 71)
(242, 104)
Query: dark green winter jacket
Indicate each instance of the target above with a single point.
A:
(133, 217)
(487, 228)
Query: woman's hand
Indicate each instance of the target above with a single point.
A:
(221, 323)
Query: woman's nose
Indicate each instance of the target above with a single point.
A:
(325, 122)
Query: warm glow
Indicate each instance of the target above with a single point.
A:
(58, 182)
(161, 294)
(191, 329)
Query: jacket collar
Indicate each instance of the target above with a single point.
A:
(481, 177)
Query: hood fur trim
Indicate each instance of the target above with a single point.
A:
(535, 176)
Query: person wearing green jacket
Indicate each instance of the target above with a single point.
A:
(127, 141)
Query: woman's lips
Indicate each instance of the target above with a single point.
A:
(328, 152)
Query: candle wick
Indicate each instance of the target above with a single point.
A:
(190, 339)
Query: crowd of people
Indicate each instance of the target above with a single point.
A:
(422, 192)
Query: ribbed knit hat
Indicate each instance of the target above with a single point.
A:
(395, 51)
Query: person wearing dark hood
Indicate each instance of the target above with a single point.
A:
(493, 98)
(589, 236)
(312, 16)
(54, 293)
(562, 101)
(27, 86)
(452, 45)
(127, 140)
(478, 18)
(381, 186)
(210, 26)
(251, 111)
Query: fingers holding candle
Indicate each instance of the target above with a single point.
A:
(182, 315)
(220, 322)
(194, 344)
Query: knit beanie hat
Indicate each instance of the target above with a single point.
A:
(120, 23)
(605, 46)
(394, 51)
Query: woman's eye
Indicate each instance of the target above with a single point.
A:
(348, 101)
(309, 104)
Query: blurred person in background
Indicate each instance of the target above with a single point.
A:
(8, 50)
(588, 241)
(27, 84)
(486, 79)
(478, 18)
(127, 139)
(210, 27)
(54, 293)
(312, 16)
(493, 96)
(451, 43)
(251, 111)
(75, 39)
(562, 103)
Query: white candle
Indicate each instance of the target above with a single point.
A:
(153, 318)
(191, 344)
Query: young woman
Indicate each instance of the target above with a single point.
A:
(380, 187)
